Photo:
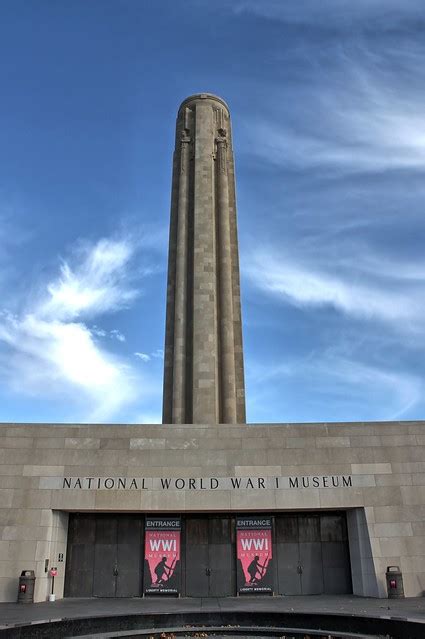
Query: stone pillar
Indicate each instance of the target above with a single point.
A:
(203, 368)
(225, 305)
(180, 305)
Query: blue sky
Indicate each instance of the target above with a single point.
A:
(327, 100)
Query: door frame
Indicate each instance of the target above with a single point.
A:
(208, 517)
(95, 517)
(345, 542)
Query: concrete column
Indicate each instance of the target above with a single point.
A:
(225, 310)
(205, 345)
(167, 400)
(180, 304)
(203, 368)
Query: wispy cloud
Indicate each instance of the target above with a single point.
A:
(303, 285)
(336, 13)
(371, 143)
(355, 104)
(116, 334)
(346, 386)
(112, 334)
(402, 390)
(143, 356)
(49, 348)
(360, 126)
(97, 284)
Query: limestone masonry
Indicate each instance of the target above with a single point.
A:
(384, 501)
(205, 505)
(203, 371)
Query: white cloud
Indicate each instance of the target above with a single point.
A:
(116, 334)
(48, 349)
(370, 139)
(98, 331)
(99, 283)
(356, 116)
(63, 358)
(113, 334)
(143, 356)
(303, 285)
(157, 354)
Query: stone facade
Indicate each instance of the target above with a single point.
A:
(204, 459)
(373, 471)
(203, 369)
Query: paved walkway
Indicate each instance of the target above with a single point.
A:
(412, 609)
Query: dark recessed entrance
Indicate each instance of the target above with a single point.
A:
(312, 554)
(106, 551)
(210, 568)
(104, 556)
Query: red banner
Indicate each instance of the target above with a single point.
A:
(162, 560)
(255, 553)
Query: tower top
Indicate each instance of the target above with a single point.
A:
(203, 96)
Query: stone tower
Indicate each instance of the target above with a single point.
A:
(203, 367)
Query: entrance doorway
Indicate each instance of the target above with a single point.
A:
(104, 556)
(312, 554)
(106, 551)
(210, 564)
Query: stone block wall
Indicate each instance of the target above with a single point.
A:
(374, 471)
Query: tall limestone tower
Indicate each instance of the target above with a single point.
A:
(203, 368)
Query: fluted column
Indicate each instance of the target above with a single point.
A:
(225, 309)
(203, 369)
(205, 386)
(180, 323)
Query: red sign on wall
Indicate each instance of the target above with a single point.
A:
(162, 556)
(254, 553)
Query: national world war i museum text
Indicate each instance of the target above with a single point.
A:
(205, 505)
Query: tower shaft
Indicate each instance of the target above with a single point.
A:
(203, 368)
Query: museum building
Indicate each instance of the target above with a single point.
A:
(205, 505)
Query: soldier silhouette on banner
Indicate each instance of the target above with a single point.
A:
(163, 571)
(256, 570)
